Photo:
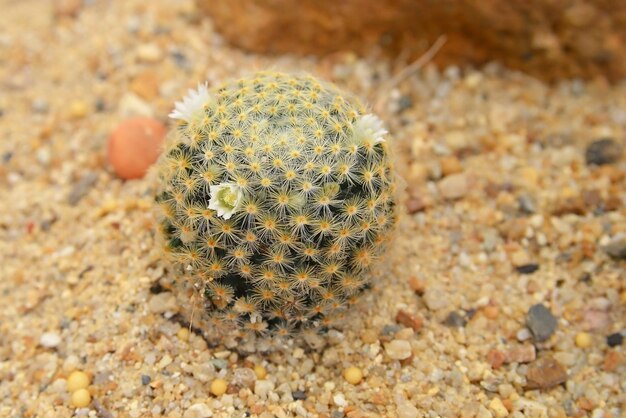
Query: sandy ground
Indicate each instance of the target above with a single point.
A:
(504, 213)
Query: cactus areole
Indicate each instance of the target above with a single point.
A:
(275, 196)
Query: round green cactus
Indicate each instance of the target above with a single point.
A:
(276, 195)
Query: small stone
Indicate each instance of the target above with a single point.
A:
(145, 379)
(498, 408)
(198, 410)
(398, 349)
(135, 145)
(369, 336)
(244, 377)
(603, 151)
(529, 268)
(50, 339)
(523, 334)
(218, 387)
(353, 375)
(162, 302)
(81, 188)
(406, 410)
(612, 361)
(132, 105)
(417, 285)
(496, 358)
(340, 400)
(409, 320)
(615, 339)
(491, 312)
(521, 354)
(527, 204)
(454, 186)
(545, 373)
(450, 165)
(298, 395)
(77, 380)
(595, 320)
(81, 398)
(262, 388)
(149, 53)
(183, 334)
(39, 106)
(260, 371)
(67, 8)
(583, 340)
(455, 320)
(145, 85)
(541, 322)
(616, 249)
(435, 299)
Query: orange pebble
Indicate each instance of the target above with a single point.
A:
(135, 145)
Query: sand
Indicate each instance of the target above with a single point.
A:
(504, 211)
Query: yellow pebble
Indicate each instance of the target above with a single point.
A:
(78, 109)
(77, 380)
(218, 387)
(353, 375)
(81, 398)
(583, 340)
(622, 296)
(183, 334)
(260, 371)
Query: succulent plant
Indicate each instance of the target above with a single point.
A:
(276, 195)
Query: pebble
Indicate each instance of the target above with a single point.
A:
(595, 320)
(218, 387)
(353, 375)
(78, 109)
(583, 340)
(541, 322)
(455, 320)
(406, 410)
(263, 387)
(135, 145)
(398, 349)
(616, 248)
(615, 339)
(260, 371)
(245, 377)
(417, 285)
(299, 395)
(67, 8)
(529, 268)
(435, 299)
(454, 186)
(545, 373)
(521, 354)
(340, 400)
(603, 151)
(523, 334)
(132, 105)
(498, 408)
(149, 53)
(81, 398)
(145, 379)
(77, 380)
(81, 188)
(198, 410)
(409, 320)
(50, 339)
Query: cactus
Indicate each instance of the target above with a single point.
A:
(276, 195)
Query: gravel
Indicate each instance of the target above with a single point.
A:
(541, 322)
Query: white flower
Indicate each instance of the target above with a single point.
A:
(225, 199)
(369, 128)
(191, 104)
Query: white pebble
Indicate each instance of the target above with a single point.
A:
(340, 400)
(50, 339)
(523, 334)
(262, 388)
(398, 349)
(198, 410)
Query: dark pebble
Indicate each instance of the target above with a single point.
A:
(82, 188)
(156, 288)
(7, 156)
(337, 414)
(298, 395)
(389, 330)
(145, 379)
(585, 277)
(616, 249)
(614, 340)
(541, 322)
(603, 151)
(404, 103)
(527, 268)
(455, 320)
(526, 204)
(100, 105)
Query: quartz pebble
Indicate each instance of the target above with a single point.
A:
(262, 388)
(134, 146)
(541, 322)
(50, 339)
(454, 186)
(198, 410)
(398, 349)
